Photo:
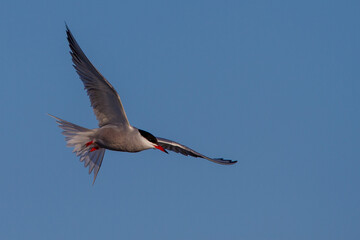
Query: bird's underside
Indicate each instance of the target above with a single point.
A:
(114, 132)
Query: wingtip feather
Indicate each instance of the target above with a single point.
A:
(225, 161)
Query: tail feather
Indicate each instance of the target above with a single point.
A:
(78, 137)
(95, 165)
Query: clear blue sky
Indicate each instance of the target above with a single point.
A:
(273, 84)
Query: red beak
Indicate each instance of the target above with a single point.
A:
(161, 148)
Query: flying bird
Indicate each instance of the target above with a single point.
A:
(114, 132)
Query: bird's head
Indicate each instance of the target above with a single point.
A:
(152, 139)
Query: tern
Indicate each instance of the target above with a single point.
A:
(114, 132)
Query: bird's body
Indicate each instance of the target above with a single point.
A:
(114, 132)
(124, 139)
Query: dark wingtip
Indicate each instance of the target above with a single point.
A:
(230, 162)
(69, 37)
(67, 27)
(226, 161)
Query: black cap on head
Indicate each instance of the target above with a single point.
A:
(148, 136)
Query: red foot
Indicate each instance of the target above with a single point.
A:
(89, 143)
(94, 149)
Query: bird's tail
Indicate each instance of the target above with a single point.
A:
(81, 139)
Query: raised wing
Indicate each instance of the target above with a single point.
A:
(179, 148)
(104, 99)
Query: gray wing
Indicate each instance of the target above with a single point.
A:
(179, 148)
(103, 97)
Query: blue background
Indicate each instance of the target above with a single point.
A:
(273, 84)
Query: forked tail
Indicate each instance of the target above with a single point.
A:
(81, 139)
